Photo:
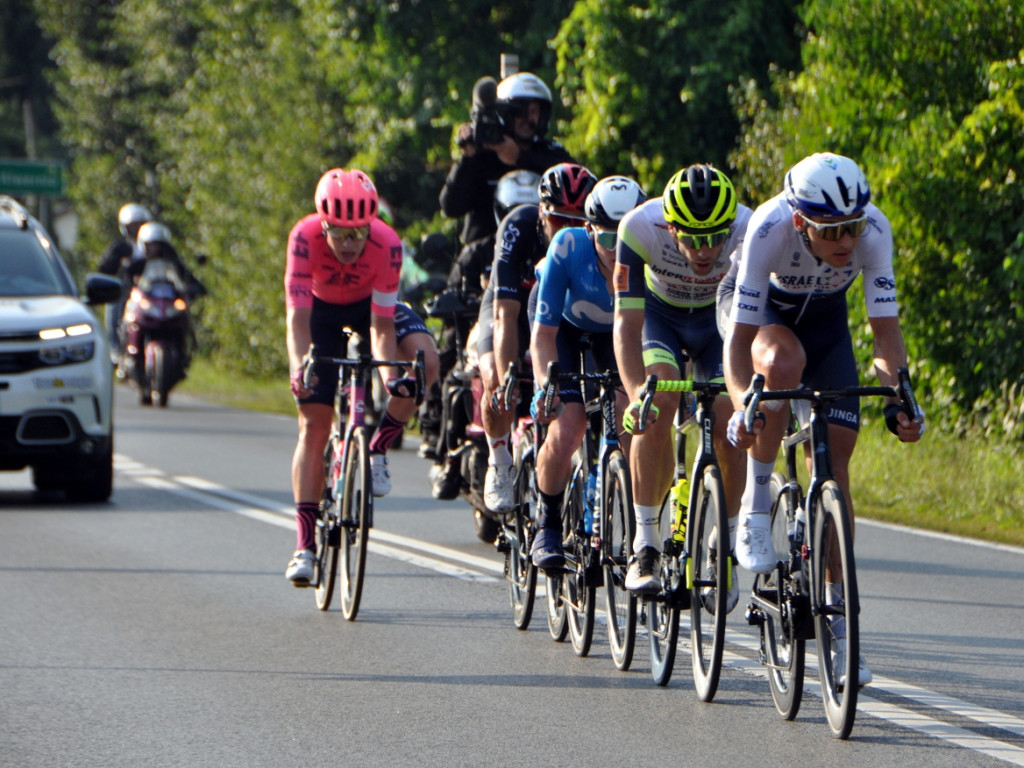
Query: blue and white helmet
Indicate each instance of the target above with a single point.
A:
(825, 184)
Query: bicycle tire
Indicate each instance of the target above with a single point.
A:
(519, 568)
(708, 530)
(833, 551)
(356, 517)
(327, 535)
(617, 532)
(783, 644)
(557, 603)
(663, 615)
(578, 591)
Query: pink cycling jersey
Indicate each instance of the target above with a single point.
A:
(312, 271)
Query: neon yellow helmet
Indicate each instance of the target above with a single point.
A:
(698, 199)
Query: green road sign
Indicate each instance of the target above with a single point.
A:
(31, 177)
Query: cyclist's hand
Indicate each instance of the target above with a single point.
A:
(299, 389)
(737, 430)
(404, 387)
(536, 407)
(908, 430)
(632, 414)
(498, 400)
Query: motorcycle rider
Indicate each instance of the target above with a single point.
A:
(115, 260)
(343, 268)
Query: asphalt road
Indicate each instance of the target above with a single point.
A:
(158, 630)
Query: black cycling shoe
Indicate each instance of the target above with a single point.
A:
(445, 482)
(428, 449)
(547, 552)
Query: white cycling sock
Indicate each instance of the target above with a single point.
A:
(757, 494)
(499, 454)
(646, 527)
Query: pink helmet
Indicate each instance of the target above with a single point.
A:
(346, 198)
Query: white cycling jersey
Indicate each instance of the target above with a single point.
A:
(668, 273)
(776, 265)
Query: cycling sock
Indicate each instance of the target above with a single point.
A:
(757, 494)
(498, 449)
(389, 432)
(549, 511)
(306, 513)
(646, 527)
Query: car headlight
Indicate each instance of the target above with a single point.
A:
(79, 347)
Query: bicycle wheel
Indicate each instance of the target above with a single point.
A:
(328, 539)
(663, 613)
(708, 531)
(783, 643)
(617, 533)
(356, 514)
(557, 598)
(578, 591)
(519, 568)
(833, 556)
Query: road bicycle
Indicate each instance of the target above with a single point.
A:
(346, 507)
(813, 539)
(693, 574)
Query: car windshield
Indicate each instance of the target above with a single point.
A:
(25, 267)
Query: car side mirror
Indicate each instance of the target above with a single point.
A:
(101, 289)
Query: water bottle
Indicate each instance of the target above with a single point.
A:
(797, 525)
(338, 471)
(591, 500)
(681, 498)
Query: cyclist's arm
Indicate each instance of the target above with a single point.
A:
(506, 333)
(299, 335)
(628, 326)
(738, 360)
(383, 343)
(543, 349)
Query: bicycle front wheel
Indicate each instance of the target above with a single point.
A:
(708, 531)
(356, 514)
(327, 534)
(836, 625)
(578, 590)
(617, 532)
(663, 614)
(781, 638)
(519, 568)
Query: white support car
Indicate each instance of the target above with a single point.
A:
(56, 379)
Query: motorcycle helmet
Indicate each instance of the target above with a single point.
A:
(611, 199)
(825, 184)
(131, 213)
(518, 90)
(153, 232)
(346, 198)
(564, 188)
(699, 198)
(515, 188)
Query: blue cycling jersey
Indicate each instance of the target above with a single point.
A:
(571, 286)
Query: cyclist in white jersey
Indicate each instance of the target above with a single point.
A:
(785, 304)
(673, 251)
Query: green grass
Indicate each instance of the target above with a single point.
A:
(963, 486)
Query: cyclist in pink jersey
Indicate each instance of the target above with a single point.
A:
(343, 270)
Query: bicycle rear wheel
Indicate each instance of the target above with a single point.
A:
(708, 531)
(663, 613)
(519, 568)
(578, 591)
(356, 519)
(836, 625)
(325, 567)
(783, 643)
(617, 532)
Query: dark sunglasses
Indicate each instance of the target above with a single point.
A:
(606, 240)
(560, 220)
(837, 230)
(346, 233)
(696, 242)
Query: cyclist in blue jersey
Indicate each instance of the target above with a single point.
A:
(573, 299)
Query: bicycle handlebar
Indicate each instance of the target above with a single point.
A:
(313, 357)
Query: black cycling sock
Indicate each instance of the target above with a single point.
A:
(388, 433)
(549, 511)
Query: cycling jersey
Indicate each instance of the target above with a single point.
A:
(571, 285)
(313, 271)
(648, 258)
(776, 267)
(518, 246)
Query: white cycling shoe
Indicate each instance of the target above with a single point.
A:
(754, 548)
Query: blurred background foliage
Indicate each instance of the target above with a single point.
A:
(221, 117)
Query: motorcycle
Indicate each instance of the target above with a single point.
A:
(157, 332)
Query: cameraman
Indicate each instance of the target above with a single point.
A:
(519, 109)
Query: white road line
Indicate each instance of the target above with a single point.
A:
(257, 508)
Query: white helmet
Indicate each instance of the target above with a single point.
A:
(131, 213)
(517, 90)
(825, 184)
(154, 232)
(515, 188)
(611, 199)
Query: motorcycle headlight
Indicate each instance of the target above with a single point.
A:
(78, 348)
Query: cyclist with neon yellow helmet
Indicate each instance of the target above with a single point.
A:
(672, 253)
